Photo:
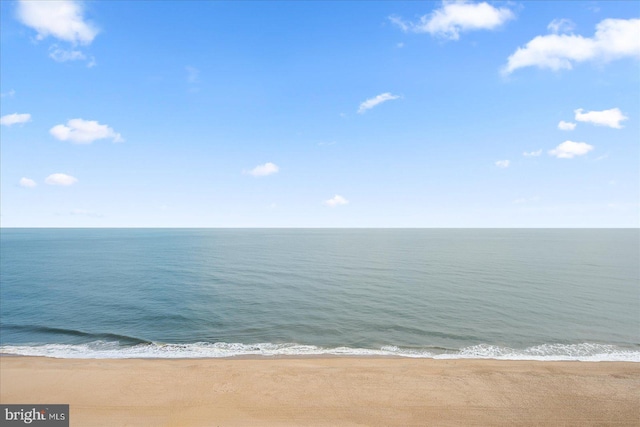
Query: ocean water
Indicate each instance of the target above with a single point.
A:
(539, 294)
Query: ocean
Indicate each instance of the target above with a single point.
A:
(535, 294)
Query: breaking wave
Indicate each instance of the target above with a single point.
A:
(587, 352)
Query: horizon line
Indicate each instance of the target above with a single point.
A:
(328, 228)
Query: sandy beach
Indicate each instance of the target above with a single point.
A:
(327, 391)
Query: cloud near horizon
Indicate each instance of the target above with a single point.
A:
(571, 149)
(377, 100)
(336, 200)
(81, 131)
(613, 39)
(610, 118)
(455, 17)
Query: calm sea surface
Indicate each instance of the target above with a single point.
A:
(501, 293)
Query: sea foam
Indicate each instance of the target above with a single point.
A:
(588, 352)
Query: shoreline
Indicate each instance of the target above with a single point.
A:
(320, 356)
(338, 390)
(583, 352)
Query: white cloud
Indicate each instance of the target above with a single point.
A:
(15, 118)
(566, 125)
(62, 55)
(404, 26)
(81, 131)
(570, 149)
(336, 201)
(455, 17)
(532, 153)
(613, 39)
(561, 26)
(62, 19)
(611, 118)
(372, 102)
(503, 163)
(9, 94)
(264, 170)
(27, 183)
(60, 179)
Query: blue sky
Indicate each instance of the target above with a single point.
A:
(320, 114)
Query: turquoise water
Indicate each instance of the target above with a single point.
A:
(547, 294)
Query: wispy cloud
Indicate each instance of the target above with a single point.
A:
(263, 170)
(570, 149)
(604, 156)
(455, 17)
(62, 55)
(336, 200)
(60, 179)
(81, 131)
(377, 100)
(610, 118)
(532, 153)
(563, 25)
(27, 183)
(9, 94)
(62, 19)
(15, 118)
(613, 39)
(503, 163)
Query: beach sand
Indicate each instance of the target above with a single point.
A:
(341, 391)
